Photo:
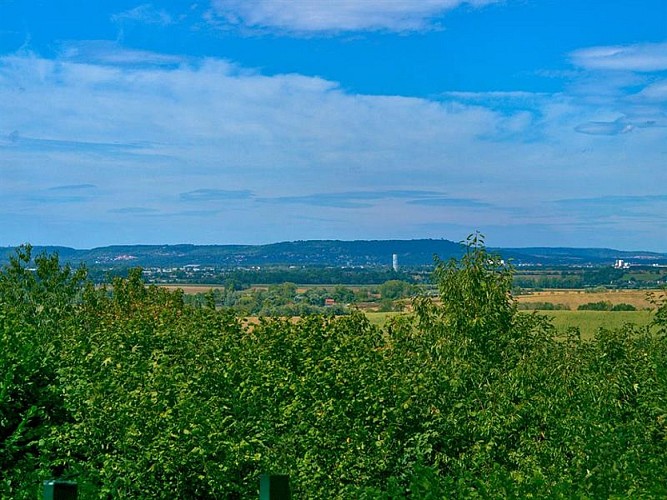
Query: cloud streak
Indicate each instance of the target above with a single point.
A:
(111, 53)
(451, 202)
(215, 195)
(351, 199)
(133, 211)
(604, 128)
(327, 16)
(73, 187)
(144, 13)
(614, 200)
(648, 57)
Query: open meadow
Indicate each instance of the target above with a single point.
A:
(588, 322)
(574, 298)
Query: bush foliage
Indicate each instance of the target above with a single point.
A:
(542, 306)
(606, 306)
(134, 393)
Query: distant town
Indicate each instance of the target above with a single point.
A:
(332, 262)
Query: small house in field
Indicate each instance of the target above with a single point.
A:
(329, 302)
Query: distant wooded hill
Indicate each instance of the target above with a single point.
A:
(374, 253)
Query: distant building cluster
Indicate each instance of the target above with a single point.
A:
(621, 264)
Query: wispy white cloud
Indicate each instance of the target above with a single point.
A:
(655, 92)
(216, 195)
(313, 16)
(73, 187)
(290, 150)
(133, 211)
(145, 13)
(112, 53)
(351, 199)
(236, 117)
(647, 57)
(605, 128)
(221, 124)
(622, 87)
(614, 200)
(451, 202)
(516, 95)
(70, 194)
(615, 208)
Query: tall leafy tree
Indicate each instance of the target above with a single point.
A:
(37, 306)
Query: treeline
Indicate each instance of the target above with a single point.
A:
(569, 278)
(604, 305)
(269, 275)
(542, 306)
(136, 394)
(589, 306)
(606, 276)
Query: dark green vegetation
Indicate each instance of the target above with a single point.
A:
(288, 300)
(602, 276)
(589, 306)
(542, 306)
(136, 394)
(244, 278)
(605, 306)
(277, 300)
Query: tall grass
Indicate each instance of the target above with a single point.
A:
(588, 322)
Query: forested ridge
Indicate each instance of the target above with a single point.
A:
(301, 253)
(135, 394)
(327, 253)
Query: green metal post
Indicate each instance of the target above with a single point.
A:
(274, 487)
(60, 490)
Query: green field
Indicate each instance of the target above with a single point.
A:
(588, 322)
(380, 318)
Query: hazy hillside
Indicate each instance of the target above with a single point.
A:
(580, 256)
(327, 253)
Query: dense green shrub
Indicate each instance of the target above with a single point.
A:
(595, 306)
(623, 307)
(36, 308)
(136, 394)
(606, 306)
(542, 306)
(396, 289)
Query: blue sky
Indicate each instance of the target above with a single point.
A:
(536, 122)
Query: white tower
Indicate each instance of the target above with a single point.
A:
(394, 262)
